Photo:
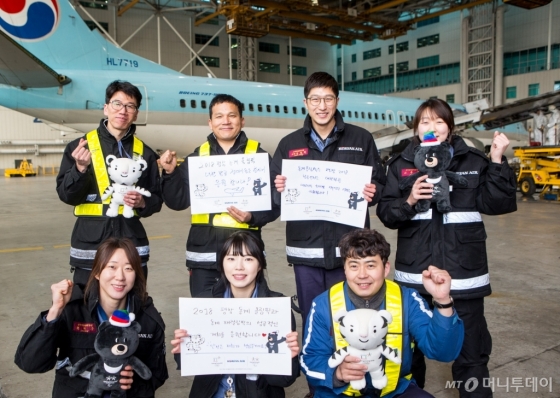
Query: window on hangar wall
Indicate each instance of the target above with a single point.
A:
(372, 53)
(400, 47)
(209, 61)
(511, 92)
(297, 51)
(203, 39)
(268, 67)
(269, 47)
(533, 89)
(427, 41)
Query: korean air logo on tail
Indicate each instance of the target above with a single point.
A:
(29, 20)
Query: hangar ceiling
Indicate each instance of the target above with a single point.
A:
(334, 21)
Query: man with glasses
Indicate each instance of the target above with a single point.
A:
(311, 246)
(83, 178)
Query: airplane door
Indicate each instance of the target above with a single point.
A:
(401, 119)
(144, 108)
(390, 118)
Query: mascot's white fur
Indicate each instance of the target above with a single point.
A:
(124, 173)
(365, 330)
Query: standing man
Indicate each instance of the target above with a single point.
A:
(312, 246)
(83, 178)
(209, 232)
(539, 123)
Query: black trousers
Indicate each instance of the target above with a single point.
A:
(471, 367)
(201, 279)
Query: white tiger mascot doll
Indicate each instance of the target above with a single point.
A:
(365, 330)
(124, 172)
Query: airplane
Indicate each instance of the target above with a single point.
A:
(54, 68)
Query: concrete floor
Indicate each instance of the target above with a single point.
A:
(523, 313)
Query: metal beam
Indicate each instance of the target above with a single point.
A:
(383, 6)
(127, 7)
(450, 10)
(310, 36)
(208, 17)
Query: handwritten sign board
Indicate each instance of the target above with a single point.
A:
(328, 191)
(235, 336)
(217, 182)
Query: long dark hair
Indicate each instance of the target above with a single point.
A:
(104, 253)
(243, 243)
(439, 108)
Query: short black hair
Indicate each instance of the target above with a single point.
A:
(361, 243)
(221, 98)
(127, 88)
(235, 245)
(439, 108)
(320, 79)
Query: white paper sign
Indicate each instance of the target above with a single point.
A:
(234, 335)
(320, 190)
(217, 182)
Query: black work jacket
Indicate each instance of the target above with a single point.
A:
(75, 188)
(62, 343)
(266, 386)
(207, 238)
(353, 145)
(454, 241)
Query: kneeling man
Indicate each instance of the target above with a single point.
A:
(438, 333)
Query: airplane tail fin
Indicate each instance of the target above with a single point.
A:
(54, 32)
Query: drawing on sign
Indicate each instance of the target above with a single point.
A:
(200, 190)
(257, 186)
(292, 195)
(273, 342)
(353, 201)
(234, 191)
(194, 342)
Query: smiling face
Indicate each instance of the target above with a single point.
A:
(241, 271)
(116, 279)
(429, 121)
(119, 121)
(365, 276)
(322, 114)
(226, 123)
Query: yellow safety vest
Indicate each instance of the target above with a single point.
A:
(101, 176)
(223, 220)
(394, 339)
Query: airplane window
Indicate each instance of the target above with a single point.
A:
(376, 116)
(390, 116)
(383, 116)
(285, 109)
(343, 113)
(294, 110)
(363, 115)
(260, 108)
(251, 107)
(303, 110)
(182, 103)
(203, 104)
(401, 118)
(268, 109)
(356, 114)
(193, 104)
(276, 109)
(369, 115)
(242, 107)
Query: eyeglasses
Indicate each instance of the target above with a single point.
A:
(315, 101)
(118, 105)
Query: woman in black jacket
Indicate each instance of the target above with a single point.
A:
(454, 241)
(65, 333)
(242, 265)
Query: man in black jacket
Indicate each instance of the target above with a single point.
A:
(208, 232)
(312, 246)
(82, 180)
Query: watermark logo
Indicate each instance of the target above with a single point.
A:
(515, 384)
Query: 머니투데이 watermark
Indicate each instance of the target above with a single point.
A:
(513, 384)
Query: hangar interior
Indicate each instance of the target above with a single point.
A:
(458, 51)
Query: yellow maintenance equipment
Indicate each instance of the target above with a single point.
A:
(539, 168)
(25, 169)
